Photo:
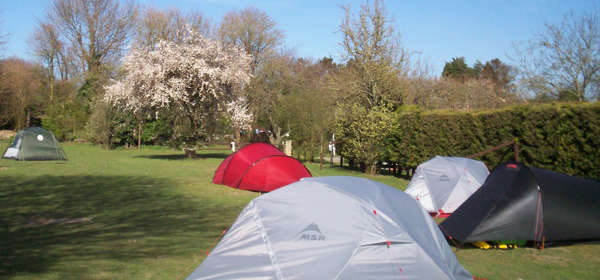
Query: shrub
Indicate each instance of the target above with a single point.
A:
(562, 137)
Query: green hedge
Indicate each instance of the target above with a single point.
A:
(560, 137)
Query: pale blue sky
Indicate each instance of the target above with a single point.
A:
(439, 30)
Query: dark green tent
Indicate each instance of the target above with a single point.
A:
(519, 202)
(35, 143)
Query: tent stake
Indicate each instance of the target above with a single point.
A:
(543, 242)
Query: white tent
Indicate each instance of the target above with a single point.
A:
(442, 184)
(332, 228)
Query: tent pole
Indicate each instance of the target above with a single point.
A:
(491, 149)
(456, 244)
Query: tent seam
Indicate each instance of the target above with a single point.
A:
(391, 257)
(427, 183)
(254, 163)
(377, 220)
(488, 213)
(436, 265)
(267, 242)
(350, 258)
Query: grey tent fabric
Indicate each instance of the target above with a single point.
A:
(35, 143)
(332, 228)
(442, 184)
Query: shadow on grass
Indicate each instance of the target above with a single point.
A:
(47, 219)
(183, 156)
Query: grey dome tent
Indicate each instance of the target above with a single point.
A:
(517, 202)
(35, 143)
(332, 228)
(442, 184)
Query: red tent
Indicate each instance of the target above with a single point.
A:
(259, 167)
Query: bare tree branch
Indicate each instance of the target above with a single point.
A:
(563, 62)
(98, 30)
(170, 25)
(252, 30)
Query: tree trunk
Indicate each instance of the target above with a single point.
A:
(371, 167)
(321, 154)
(189, 153)
(275, 136)
(51, 82)
(236, 135)
(27, 118)
(140, 127)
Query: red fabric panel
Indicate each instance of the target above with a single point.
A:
(259, 167)
(243, 159)
(440, 214)
(273, 172)
(218, 178)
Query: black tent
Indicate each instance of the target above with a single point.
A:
(517, 202)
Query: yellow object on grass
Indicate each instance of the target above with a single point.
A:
(505, 246)
(485, 246)
(482, 245)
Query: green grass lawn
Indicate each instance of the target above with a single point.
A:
(152, 214)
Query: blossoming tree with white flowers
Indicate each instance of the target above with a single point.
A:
(199, 78)
(240, 114)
